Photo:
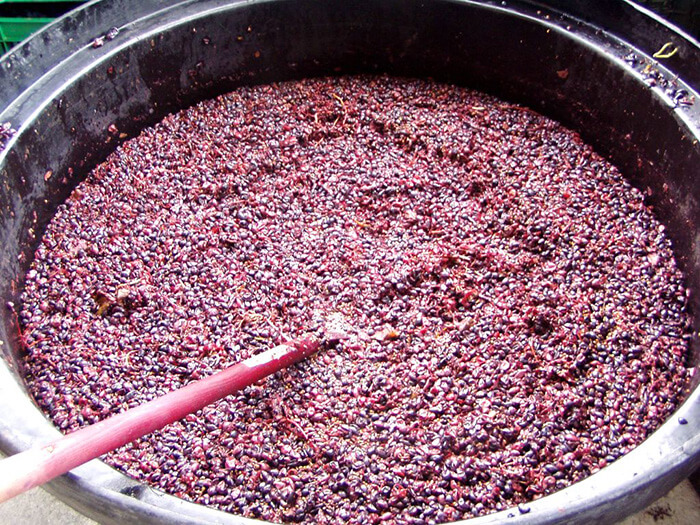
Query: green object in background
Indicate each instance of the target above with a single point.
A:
(13, 30)
(21, 18)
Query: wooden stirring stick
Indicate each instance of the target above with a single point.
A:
(36, 466)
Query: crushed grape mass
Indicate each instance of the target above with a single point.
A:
(507, 314)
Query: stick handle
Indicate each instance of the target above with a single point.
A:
(36, 466)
